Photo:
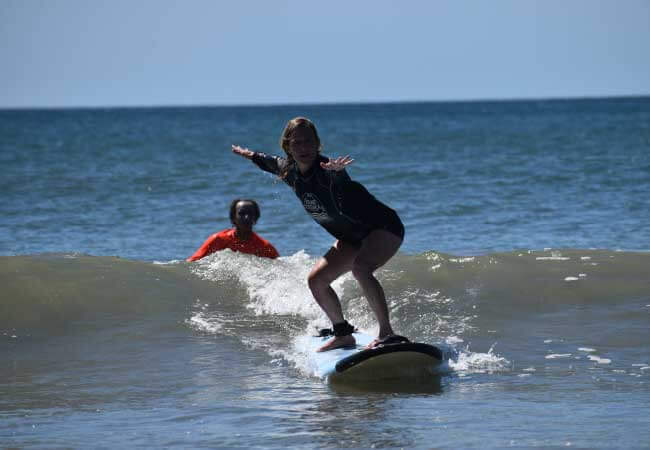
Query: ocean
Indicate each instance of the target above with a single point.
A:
(526, 259)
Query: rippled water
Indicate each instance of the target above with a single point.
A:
(526, 259)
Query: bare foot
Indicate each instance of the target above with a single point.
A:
(373, 344)
(390, 339)
(338, 342)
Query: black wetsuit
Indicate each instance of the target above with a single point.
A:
(342, 206)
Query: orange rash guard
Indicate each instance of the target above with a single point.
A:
(255, 245)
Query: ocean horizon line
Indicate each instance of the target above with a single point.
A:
(486, 100)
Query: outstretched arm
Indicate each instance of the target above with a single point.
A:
(265, 162)
(337, 164)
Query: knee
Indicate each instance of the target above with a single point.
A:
(316, 281)
(362, 270)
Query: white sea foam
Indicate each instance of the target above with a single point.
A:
(557, 355)
(470, 362)
(451, 340)
(299, 356)
(599, 360)
(200, 322)
(462, 260)
(274, 286)
(555, 256)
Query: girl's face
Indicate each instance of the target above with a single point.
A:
(303, 147)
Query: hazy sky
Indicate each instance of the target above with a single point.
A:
(163, 52)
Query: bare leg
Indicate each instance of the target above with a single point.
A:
(377, 248)
(335, 263)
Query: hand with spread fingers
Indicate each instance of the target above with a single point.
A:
(337, 163)
(242, 151)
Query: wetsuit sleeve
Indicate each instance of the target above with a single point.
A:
(213, 244)
(341, 179)
(269, 163)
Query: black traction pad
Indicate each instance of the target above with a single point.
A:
(364, 355)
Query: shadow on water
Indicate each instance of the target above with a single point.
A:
(367, 414)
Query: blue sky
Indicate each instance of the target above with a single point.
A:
(199, 52)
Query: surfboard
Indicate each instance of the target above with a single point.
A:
(392, 361)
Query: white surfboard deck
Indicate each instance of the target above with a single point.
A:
(394, 361)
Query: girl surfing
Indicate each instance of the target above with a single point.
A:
(368, 233)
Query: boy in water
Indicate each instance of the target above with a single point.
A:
(243, 215)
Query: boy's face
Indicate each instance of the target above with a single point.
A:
(245, 215)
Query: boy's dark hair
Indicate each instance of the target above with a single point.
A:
(233, 208)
